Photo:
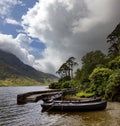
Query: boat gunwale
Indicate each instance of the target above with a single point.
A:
(74, 104)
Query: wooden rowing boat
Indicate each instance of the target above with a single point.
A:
(74, 101)
(79, 101)
(72, 106)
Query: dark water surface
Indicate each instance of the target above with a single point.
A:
(31, 114)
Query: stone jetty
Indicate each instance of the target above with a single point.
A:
(38, 95)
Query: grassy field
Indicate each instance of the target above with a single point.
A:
(21, 82)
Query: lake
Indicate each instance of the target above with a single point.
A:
(31, 114)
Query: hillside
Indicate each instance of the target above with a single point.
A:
(14, 70)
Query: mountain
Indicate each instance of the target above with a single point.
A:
(13, 70)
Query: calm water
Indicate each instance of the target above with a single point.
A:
(31, 114)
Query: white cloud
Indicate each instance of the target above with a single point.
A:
(66, 27)
(13, 45)
(20, 46)
(70, 28)
(6, 6)
(11, 21)
(23, 38)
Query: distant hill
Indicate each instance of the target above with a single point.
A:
(14, 71)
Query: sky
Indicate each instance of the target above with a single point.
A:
(45, 33)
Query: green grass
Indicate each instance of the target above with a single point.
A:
(71, 97)
(78, 96)
(84, 94)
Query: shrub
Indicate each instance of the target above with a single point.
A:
(98, 79)
(66, 84)
(66, 78)
(113, 87)
(55, 85)
(115, 64)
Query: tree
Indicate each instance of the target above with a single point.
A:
(78, 74)
(66, 69)
(90, 61)
(63, 71)
(114, 40)
(71, 63)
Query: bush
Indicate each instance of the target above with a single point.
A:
(98, 79)
(55, 85)
(67, 78)
(115, 64)
(66, 84)
(113, 87)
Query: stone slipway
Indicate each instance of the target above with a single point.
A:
(36, 96)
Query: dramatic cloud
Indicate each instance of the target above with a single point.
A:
(70, 27)
(14, 46)
(66, 27)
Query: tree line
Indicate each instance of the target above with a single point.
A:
(99, 74)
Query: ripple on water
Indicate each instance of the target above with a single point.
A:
(12, 114)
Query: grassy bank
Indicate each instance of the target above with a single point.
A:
(21, 82)
(78, 96)
(84, 94)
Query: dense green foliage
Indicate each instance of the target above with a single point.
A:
(90, 61)
(113, 86)
(99, 74)
(98, 79)
(115, 63)
(66, 84)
